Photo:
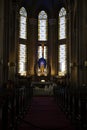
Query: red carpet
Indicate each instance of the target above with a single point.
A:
(45, 114)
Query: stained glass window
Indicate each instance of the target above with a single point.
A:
(39, 52)
(45, 52)
(22, 51)
(62, 24)
(42, 26)
(22, 59)
(62, 60)
(42, 37)
(42, 52)
(62, 49)
(23, 22)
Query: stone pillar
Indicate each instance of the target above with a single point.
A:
(6, 39)
(12, 41)
(53, 46)
(74, 44)
(32, 45)
(1, 39)
(83, 44)
(68, 45)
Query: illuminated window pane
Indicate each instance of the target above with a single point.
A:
(62, 24)
(62, 60)
(23, 22)
(42, 26)
(45, 52)
(42, 52)
(22, 59)
(39, 52)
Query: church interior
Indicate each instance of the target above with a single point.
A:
(43, 64)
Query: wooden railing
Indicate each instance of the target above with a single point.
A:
(74, 103)
(14, 104)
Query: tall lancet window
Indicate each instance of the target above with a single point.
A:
(23, 23)
(62, 57)
(62, 24)
(42, 26)
(22, 51)
(42, 43)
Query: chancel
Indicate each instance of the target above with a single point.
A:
(43, 64)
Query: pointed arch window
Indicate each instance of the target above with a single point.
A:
(23, 22)
(42, 26)
(42, 48)
(62, 23)
(22, 50)
(62, 48)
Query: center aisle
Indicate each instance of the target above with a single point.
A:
(45, 114)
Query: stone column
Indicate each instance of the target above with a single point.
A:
(32, 45)
(82, 29)
(74, 44)
(12, 41)
(53, 46)
(6, 39)
(1, 39)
